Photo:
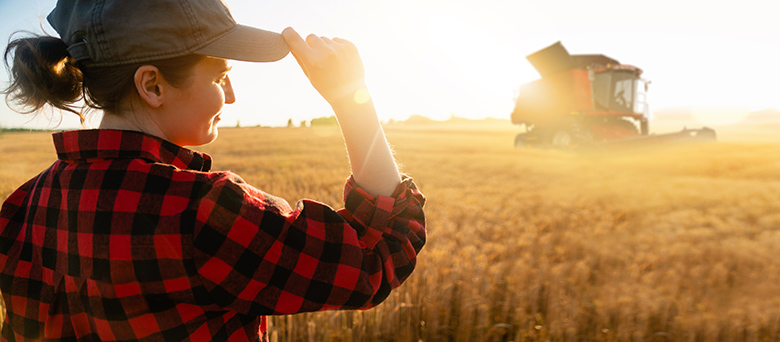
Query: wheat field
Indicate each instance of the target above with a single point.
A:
(672, 244)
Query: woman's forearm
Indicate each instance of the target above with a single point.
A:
(373, 166)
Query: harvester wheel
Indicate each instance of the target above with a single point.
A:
(614, 129)
(627, 126)
(520, 140)
(562, 138)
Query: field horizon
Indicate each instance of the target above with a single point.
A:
(668, 244)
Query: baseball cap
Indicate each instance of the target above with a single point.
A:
(116, 32)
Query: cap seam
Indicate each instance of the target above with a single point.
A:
(104, 48)
(195, 28)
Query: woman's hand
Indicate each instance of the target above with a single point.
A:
(333, 67)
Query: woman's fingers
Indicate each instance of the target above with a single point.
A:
(317, 44)
(298, 47)
(306, 51)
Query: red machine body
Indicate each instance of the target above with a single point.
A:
(580, 99)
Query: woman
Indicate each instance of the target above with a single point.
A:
(130, 236)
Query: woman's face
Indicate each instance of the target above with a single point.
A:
(194, 110)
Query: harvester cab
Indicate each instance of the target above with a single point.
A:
(585, 100)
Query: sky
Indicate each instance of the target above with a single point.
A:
(441, 58)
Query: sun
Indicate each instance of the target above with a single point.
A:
(473, 64)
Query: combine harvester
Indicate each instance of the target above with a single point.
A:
(588, 101)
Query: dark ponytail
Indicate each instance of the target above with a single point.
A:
(42, 72)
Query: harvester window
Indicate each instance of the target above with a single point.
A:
(640, 98)
(623, 92)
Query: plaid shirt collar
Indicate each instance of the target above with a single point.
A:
(102, 144)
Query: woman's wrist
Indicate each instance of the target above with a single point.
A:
(351, 100)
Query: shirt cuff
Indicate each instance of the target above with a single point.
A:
(374, 214)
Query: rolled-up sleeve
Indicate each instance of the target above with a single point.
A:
(256, 255)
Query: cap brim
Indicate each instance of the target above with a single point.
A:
(245, 43)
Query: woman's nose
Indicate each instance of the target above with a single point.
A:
(230, 96)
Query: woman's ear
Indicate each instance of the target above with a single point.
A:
(150, 85)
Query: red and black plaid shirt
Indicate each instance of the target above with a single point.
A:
(130, 237)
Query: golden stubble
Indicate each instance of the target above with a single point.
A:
(673, 244)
